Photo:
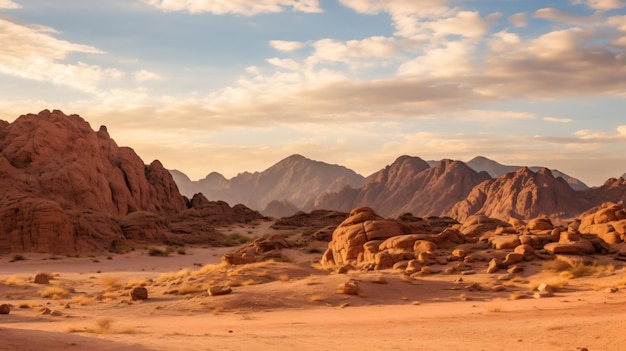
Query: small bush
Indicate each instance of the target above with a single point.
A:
(53, 292)
(18, 258)
(235, 239)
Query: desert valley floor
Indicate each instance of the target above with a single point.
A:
(295, 306)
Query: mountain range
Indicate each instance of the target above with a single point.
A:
(409, 184)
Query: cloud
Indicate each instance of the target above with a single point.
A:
(239, 7)
(558, 120)
(454, 60)
(8, 4)
(353, 52)
(282, 45)
(32, 52)
(602, 4)
(519, 20)
(556, 15)
(144, 76)
(284, 63)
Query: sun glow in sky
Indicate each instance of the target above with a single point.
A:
(232, 86)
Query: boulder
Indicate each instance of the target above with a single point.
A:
(349, 288)
(139, 293)
(542, 223)
(5, 309)
(217, 290)
(582, 247)
(505, 242)
(41, 278)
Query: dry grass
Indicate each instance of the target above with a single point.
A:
(578, 270)
(558, 282)
(415, 303)
(83, 300)
(138, 282)
(518, 296)
(13, 280)
(54, 292)
(283, 277)
(187, 289)
(494, 308)
(110, 282)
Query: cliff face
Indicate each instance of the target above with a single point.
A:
(66, 188)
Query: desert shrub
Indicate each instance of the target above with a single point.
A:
(577, 270)
(155, 251)
(54, 292)
(235, 239)
(110, 281)
(18, 258)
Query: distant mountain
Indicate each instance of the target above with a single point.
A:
(295, 180)
(409, 185)
(496, 170)
(521, 194)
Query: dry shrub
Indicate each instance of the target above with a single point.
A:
(183, 273)
(217, 310)
(210, 268)
(186, 289)
(13, 280)
(83, 300)
(104, 325)
(283, 277)
(518, 296)
(110, 282)
(578, 270)
(138, 282)
(54, 292)
(558, 282)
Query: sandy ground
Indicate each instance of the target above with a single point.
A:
(295, 306)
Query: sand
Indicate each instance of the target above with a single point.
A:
(294, 306)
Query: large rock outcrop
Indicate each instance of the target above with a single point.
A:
(523, 194)
(66, 188)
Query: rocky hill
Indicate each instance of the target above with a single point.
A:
(409, 185)
(496, 170)
(294, 182)
(66, 188)
(521, 194)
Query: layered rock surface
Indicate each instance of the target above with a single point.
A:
(66, 188)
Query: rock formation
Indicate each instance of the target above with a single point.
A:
(523, 194)
(369, 242)
(66, 188)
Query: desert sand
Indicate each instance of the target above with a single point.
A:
(295, 306)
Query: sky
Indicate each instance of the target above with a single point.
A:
(238, 85)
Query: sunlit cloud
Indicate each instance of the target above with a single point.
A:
(282, 45)
(32, 52)
(240, 7)
(558, 120)
(145, 75)
(519, 20)
(8, 4)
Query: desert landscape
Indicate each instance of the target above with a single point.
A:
(312, 175)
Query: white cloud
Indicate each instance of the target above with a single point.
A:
(519, 20)
(145, 75)
(240, 7)
(558, 120)
(282, 45)
(284, 63)
(32, 52)
(8, 4)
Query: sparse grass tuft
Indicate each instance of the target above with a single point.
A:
(155, 251)
(110, 282)
(578, 270)
(13, 280)
(235, 239)
(54, 292)
(83, 300)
